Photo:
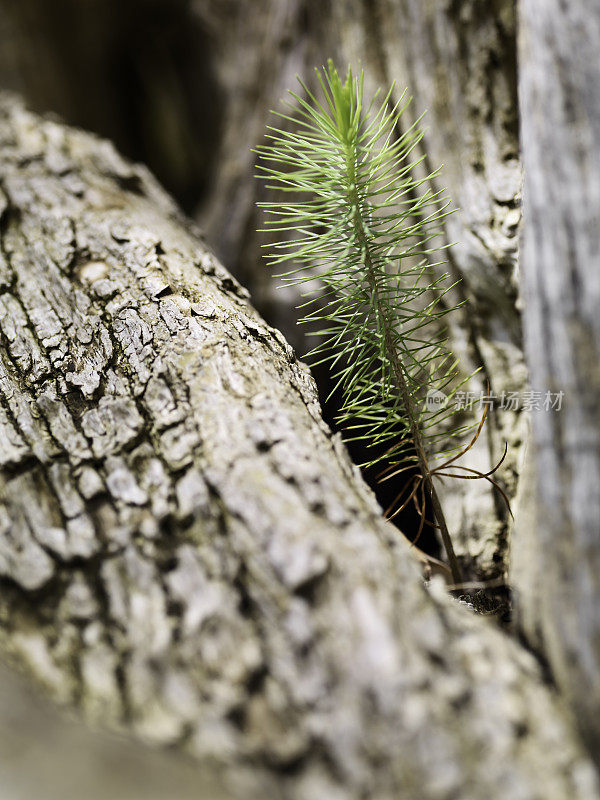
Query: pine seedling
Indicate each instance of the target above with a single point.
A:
(359, 216)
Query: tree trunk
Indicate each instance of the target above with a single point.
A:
(559, 590)
(187, 553)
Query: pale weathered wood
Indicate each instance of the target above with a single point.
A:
(186, 552)
(560, 111)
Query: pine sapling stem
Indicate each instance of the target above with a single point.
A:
(342, 161)
(397, 369)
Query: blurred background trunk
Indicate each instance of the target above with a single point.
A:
(186, 87)
(557, 553)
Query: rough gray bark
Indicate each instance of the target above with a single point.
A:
(187, 553)
(560, 110)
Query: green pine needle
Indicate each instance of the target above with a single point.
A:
(356, 215)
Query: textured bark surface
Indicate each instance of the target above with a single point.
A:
(560, 108)
(187, 554)
(186, 86)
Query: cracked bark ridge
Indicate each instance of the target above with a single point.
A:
(186, 552)
(560, 110)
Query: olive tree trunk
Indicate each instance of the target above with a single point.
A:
(557, 559)
(187, 554)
